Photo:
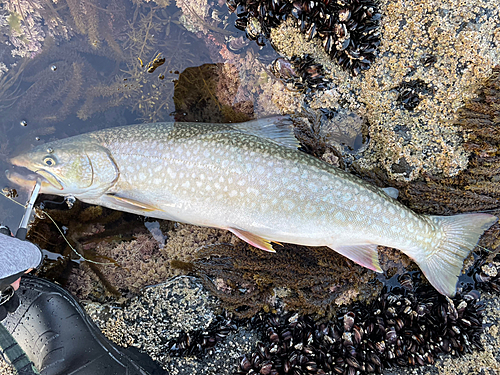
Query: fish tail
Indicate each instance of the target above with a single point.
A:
(442, 263)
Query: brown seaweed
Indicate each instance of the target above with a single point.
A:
(309, 280)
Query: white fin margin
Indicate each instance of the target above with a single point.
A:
(365, 255)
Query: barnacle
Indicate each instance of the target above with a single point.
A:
(477, 187)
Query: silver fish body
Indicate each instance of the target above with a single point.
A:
(250, 179)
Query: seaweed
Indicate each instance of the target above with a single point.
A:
(87, 228)
(52, 85)
(147, 94)
(310, 280)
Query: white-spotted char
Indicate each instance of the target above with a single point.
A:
(250, 179)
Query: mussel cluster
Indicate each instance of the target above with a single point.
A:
(303, 73)
(349, 29)
(487, 274)
(408, 325)
(202, 341)
(410, 92)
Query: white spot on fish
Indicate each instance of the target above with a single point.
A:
(313, 187)
(171, 173)
(288, 204)
(233, 193)
(251, 190)
(346, 197)
(339, 216)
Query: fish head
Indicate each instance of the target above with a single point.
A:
(73, 166)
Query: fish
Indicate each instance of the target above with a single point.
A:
(251, 179)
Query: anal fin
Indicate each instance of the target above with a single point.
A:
(364, 254)
(252, 239)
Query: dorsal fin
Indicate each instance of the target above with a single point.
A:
(278, 129)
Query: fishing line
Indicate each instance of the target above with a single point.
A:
(13, 200)
(71, 247)
(60, 231)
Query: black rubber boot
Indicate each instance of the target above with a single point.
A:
(60, 339)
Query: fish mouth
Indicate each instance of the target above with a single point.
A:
(27, 178)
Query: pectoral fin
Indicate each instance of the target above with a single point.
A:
(365, 255)
(128, 203)
(253, 240)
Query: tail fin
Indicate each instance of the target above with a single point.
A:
(443, 263)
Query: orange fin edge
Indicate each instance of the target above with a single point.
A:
(252, 239)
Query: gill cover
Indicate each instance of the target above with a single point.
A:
(105, 172)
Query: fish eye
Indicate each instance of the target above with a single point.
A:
(49, 161)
